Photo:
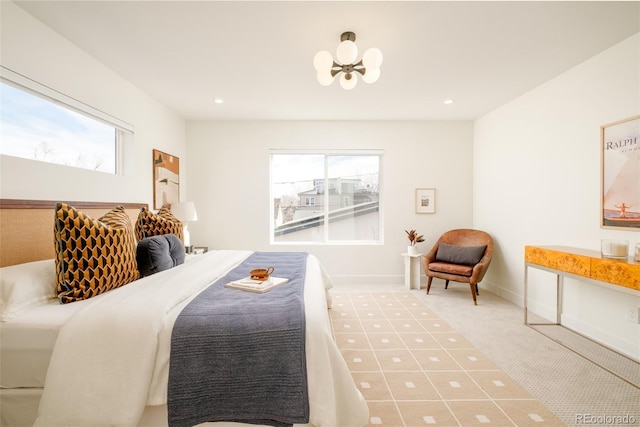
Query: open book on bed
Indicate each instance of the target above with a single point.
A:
(257, 286)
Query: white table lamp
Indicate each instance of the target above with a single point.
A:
(185, 212)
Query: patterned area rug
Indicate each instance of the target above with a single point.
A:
(415, 370)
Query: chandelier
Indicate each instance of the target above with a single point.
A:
(368, 67)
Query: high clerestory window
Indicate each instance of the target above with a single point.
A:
(326, 197)
(39, 123)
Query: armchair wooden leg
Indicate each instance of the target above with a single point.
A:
(473, 293)
(429, 284)
(477, 293)
(446, 284)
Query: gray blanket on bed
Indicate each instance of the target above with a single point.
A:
(240, 356)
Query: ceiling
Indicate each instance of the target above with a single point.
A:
(258, 56)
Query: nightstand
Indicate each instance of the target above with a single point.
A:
(195, 251)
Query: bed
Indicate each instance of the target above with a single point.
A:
(106, 360)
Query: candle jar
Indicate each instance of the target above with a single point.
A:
(611, 248)
(637, 256)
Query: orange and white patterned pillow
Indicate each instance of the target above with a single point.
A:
(156, 224)
(93, 256)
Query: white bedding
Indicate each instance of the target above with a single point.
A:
(27, 344)
(110, 362)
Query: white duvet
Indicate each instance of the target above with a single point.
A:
(111, 360)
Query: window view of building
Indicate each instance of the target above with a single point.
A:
(326, 198)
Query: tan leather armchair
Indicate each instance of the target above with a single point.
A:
(461, 255)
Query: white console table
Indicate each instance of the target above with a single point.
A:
(412, 270)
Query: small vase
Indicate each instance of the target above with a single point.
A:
(412, 250)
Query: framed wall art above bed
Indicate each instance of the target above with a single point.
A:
(166, 179)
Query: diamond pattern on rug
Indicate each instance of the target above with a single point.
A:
(413, 369)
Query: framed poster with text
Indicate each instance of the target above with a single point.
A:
(620, 174)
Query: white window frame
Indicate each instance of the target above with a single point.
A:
(327, 153)
(124, 131)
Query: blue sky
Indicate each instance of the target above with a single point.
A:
(29, 123)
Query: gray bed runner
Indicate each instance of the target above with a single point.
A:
(240, 356)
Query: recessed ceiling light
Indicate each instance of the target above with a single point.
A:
(218, 101)
(448, 101)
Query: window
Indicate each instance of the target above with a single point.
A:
(326, 197)
(41, 124)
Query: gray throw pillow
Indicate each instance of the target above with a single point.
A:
(465, 255)
(159, 253)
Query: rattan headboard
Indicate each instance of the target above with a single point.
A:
(26, 226)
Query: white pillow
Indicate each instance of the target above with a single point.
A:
(24, 286)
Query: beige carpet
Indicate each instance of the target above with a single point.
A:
(415, 370)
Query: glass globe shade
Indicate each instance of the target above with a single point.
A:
(322, 61)
(371, 75)
(347, 52)
(348, 84)
(372, 58)
(324, 77)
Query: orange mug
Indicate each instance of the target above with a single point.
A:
(261, 273)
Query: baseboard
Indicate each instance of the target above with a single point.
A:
(367, 280)
(537, 309)
(506, 294)
(600, 336)
(533, 307)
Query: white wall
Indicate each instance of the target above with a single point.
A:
(529, 172)
(35, 51)
(230, 160)
(537, 182)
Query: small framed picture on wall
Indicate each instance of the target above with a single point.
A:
(425, 200)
